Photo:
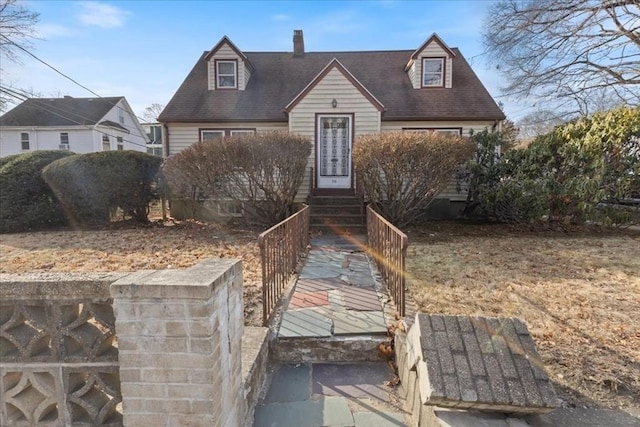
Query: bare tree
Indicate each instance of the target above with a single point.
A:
(152, 112)
(17, 28)
(567, 52)
(538, 123)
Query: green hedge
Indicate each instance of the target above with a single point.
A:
(91, 187)
(26, 201)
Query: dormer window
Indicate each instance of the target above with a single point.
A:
(432, 72)
(226, 74)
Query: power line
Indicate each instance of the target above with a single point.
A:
(62, 74)
(48, 108)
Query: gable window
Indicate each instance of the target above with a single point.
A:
(121, 116)
(64, 141)
(24, 141)
(226, 74)
(433, 72)
(106, 143)
(120, 143)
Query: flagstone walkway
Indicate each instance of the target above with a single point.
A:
(336, 293)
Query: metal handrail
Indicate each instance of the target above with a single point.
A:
(389, 249)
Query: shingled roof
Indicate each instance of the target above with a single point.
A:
(278, 78)
(65, 111)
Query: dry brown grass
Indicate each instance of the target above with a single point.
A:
(129, 247)
(579, 294)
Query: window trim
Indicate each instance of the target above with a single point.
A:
(443, 61)
(119, 143)
(120, 115)
(106, 139)
(225, 131)
(67, 138)
(235, 75)
(434, 130)
(23, 140)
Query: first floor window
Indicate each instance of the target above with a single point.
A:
(64, 141)
(433, 72)
(24, 141)
(445, 131)
(106, 143)
(211, 134)
(120, 142)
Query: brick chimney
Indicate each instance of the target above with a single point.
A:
(298, 43)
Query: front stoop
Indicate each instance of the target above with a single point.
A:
(338, 214)
(471, 363)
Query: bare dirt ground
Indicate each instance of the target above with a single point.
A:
(129, 247)
(578, 292)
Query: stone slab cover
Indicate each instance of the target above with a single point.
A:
(480, 363)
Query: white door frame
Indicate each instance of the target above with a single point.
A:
(333, 160)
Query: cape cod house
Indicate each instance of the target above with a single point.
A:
(81, 125)
(330, 97)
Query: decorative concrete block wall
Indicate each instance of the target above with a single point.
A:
(58, 355)
(179, 336)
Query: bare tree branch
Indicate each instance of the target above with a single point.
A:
(17, 25)
(573, 49)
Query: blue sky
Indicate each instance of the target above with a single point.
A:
(144, 49)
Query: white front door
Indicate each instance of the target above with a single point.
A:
(334, 139)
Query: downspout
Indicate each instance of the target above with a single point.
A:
(165, 139)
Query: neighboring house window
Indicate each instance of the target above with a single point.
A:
(120, 142)
(120, 115)
(211, 134)
(64, 141)
(154, 150)
(24, 141)
(433, 72)
(106, 143)
(226, 74)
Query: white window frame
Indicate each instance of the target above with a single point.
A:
(119, 143)
(456, 131)
(106, 140)
(219, 132)
(120, 115)
(24, 140)
(234, 74)
(431, 73)
(235, 132)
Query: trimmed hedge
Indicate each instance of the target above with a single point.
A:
(91, 187)
(26, 201)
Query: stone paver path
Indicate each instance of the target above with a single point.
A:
(346, 395)
(336, 293)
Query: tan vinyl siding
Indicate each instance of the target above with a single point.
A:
(412, 76)
(182, 135)
(226, 52)
(302, 118)
(432, 50)
(451, 191)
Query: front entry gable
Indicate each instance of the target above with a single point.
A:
(335, 78)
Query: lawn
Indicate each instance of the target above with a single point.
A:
(579, 294)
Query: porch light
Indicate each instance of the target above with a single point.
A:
(334, 103)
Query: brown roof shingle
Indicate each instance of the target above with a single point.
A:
(279, 77)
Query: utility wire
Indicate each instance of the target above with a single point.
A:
(63, 74)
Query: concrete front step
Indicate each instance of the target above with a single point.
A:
(337, 209)
(340, 228)
(336, 349)
(335, 200)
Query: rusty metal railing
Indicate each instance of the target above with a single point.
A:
(281, 247)
(389, 250)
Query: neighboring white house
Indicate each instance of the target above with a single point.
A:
(81, 125)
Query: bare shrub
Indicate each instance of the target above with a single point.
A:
(262, 171)
(403, 172)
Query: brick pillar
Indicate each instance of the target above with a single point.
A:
(179, 336)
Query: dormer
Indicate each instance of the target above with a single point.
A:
(228, 67)
(431, 64)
